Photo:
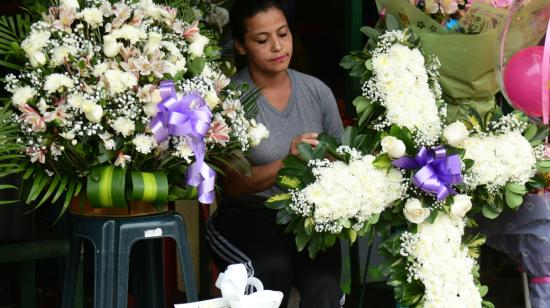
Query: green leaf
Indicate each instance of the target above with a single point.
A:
(348, 62)
(468, 163)
(370, 32)
(543, 166)
(314, 245)
(283, 217)
(530, 132)
(491, 212)
(61, 187)
(278, 202)
(352, 235)
(330, 239)
(361, 103)
(301, 240)
(383, 161)
(309, 225)
(483, 290)
(412, 293)
(288, 182)
(348, 137)
(305, 151)
(513, 200)
(196, 66)
(516, 188)
(391, 23)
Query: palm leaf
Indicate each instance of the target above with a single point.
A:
(13, 30)
(249, 102)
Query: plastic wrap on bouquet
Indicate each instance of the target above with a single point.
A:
(524, 236)
(233, 283)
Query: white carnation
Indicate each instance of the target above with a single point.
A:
(124, 126)
(118, 81)
(22, 95)
(93, 16)
(57, 82)
(144, 143)
(130, 33)
(59, 54)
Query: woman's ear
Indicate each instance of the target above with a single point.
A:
(239, 47)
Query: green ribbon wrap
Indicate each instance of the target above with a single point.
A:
(106, 187)
(149, 187)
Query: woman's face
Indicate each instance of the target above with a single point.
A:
(267, 42)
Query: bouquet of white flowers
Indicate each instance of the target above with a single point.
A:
(125, 86)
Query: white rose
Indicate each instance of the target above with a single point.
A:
(181, 65)
(93, 16)
(393, 146)
(461, 205)
(153, 42)
(197, 46)
(92, 111)
(455, 133)
(256, 133)
(32, 46)
(99, 69)
(22, 95)
(37, 58)
(131, 33)
(414, 212)
(70, 3)
(212, 100)
(110, 46)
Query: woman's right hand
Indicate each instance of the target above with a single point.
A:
(309, 138)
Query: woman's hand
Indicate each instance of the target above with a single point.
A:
(309, 138)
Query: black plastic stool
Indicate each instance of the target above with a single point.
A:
(112, 239)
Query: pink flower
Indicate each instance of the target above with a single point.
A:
(33, 118)
(502, 3)
(219, 131)
(192, 31)
(36, 154)
(58, 114)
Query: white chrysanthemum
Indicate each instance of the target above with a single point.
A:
(56, 82)
(184, 149)
(344, 192)
(130, 33)
(33, 45)
(35, 41)
(92, 111)
(144, 143)
(93, 16)
(124, 126)
(118, 81)
(70, 3)
(433, 248)
(499, 159)
(59, 54)
(22, 95)
(401, 85)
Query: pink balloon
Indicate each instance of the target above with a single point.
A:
(522, 80)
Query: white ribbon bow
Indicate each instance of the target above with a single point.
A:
(233, 283)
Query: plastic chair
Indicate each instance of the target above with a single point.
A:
(113, 239)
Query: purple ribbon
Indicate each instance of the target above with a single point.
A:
(187, 116)
(437, 171)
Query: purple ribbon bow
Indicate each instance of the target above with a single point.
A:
(437, 171)
(187, 116)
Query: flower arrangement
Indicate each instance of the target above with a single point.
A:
(91, 95)
(483, 164)
(327, 199)
(403, 166)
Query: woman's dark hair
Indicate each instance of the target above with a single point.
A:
(243, 9)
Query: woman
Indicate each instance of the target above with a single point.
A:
(295, 108)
